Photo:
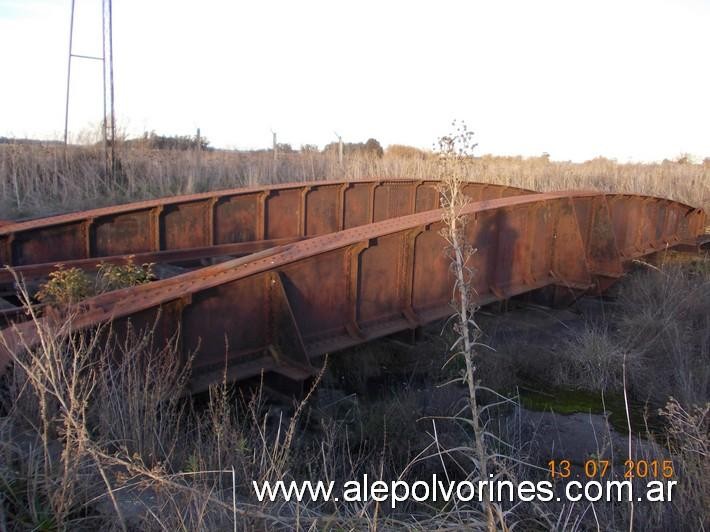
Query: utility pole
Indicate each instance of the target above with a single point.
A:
(275, 168)
(103, 77)
(199, 150)
(196, 172)
(340, 149)
(113, 110)
(66, 108)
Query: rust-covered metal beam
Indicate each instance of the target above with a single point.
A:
(644, 224)
(33, 272)
(222, 217)
(275, 310)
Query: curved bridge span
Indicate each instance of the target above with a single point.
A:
(378, 265)
(249, 219)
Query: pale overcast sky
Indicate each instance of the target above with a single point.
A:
(577, 79)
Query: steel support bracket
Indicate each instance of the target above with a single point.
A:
(284, 337)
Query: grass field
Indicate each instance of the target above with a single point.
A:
(39, 180)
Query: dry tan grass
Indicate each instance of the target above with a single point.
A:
(96, 434)
(36, 180)
(593, 359)
(665, 320)
(99, 435)
(88, 428)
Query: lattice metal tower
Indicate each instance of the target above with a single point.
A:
(109, 115)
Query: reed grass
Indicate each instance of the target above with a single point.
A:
(38, 180)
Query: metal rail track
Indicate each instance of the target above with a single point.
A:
(276, 310)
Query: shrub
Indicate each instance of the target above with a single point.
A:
(69, 286)
(689, 433)
(406, 152)
(116, 276)
(593, 360)
(65, 287)
(665, 317)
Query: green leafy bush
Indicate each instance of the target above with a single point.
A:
(69, 286)
(117, 276)
(65, 287)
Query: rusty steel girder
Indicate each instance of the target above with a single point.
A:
(275, 310)
(33, 272)
(232, 216)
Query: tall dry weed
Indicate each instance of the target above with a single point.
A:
(37, 180)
